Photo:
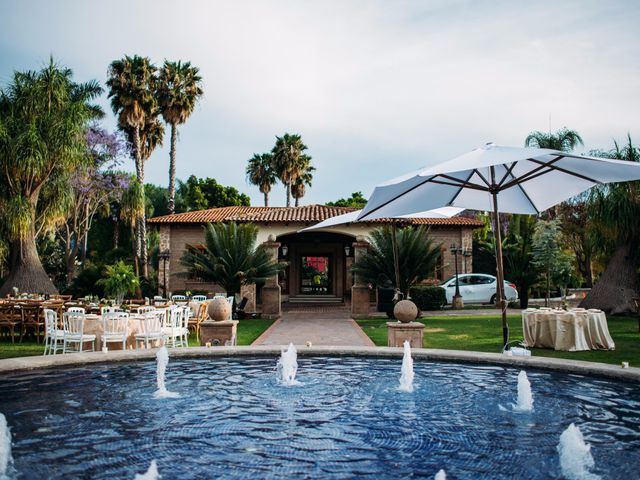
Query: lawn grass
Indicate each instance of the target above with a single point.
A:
(248, 331)
(483, 333)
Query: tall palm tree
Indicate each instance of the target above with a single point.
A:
(287, 154)
(179, 89)
(44, 116)
(564, 140)
(303, 179)
(132, 86)
(230, 257)
(260, 172)
(132, 206)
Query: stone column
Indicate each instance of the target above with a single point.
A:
(271, 299)
(164, 260)
(360, 292)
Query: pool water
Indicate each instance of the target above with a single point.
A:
(346, 420)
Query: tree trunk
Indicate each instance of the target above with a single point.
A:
(297, 204)
(266, 199)
(524, 295)
(618, 285)
(25, 269)
(142, 220)
(116, 232)
(172, 169)
(288, 190)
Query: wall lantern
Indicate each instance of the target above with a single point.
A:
(285, 250)
(347, 250)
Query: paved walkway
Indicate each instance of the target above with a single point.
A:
(325, 327)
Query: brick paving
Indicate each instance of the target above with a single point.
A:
(320, 326)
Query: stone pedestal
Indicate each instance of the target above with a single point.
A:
(457, 303)
(218, 333)
(398, 333)
(271, 298)
(360, 294)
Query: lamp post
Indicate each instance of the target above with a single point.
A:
(457, 302)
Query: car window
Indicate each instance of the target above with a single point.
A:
(484, 280)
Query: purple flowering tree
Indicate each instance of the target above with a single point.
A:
(93, 188)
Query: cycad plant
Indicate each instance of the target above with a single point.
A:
(119, 280)
(230, 257)
(417, 258)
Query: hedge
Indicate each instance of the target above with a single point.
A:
(428, 297)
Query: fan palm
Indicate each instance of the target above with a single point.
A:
(230, 257)
(564, 140)
(287, 154)
(417, 258)
(179, 89)
(132, 86)
(44, 117)
(132, 206)
(260, 172)
(303, 180)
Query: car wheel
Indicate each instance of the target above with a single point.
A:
(493, 300)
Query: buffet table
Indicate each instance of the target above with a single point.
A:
(572, 330)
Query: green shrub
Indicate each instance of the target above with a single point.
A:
(428, 297)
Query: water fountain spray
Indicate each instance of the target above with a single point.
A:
(575, 455)
(6, 460)
(288, 366)
(162, 360)
(406, 377)
(151, 474)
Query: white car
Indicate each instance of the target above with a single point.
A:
(478, 288)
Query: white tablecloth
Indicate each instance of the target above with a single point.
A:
(573, 330)
(93, 326)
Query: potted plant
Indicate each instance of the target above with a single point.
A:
(119, 280)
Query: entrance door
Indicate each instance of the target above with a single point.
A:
(315, 275)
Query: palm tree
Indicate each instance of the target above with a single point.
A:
(287, 154)
(303, 179)
(613, 213)
(44, 117)
(132, 206)
(564, 140)
(132, 88)
(179, 89)
(260, 172)
(417, 258)
(230, 257)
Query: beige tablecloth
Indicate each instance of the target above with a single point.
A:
(93, 326)
(573, 330)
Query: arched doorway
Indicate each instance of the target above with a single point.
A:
(318, 266)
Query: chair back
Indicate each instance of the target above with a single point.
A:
(202, 313)
(186, 311)
(76, 310)
(50, 321)
(199, 298)
(151, 323)
(230, 302)
(145, 309)
(115, 323)
(73, 322)
(104, 310)
(175, 317)
(178, 297)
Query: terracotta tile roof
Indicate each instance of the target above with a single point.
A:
(307, 214)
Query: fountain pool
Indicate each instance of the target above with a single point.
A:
(233, 419)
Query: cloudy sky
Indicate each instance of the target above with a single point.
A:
(375, 88)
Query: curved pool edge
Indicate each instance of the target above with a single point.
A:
(460, 356)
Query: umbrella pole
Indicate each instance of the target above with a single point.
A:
(396, 260)
(500, 301)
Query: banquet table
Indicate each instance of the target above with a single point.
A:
(567, 330)
(93, 326)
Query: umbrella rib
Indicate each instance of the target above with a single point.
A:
(509, 170)
(453, 199)
(526, 195)
(472, 186)
(530, 174)
(568, 172)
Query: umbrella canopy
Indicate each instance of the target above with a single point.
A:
(352, 217)
(528, 180)
(525, 180)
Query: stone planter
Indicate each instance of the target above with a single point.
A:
(219, 309)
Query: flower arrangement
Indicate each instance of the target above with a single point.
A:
(119, 280)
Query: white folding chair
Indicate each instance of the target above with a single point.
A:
(230, 302)
(199, 298)
(76, 310)
(172, 328)
(104, 310)
(52, 334)
(151, 329)
(185, 327)
(115, 328)
(73, 323)
(178, 297)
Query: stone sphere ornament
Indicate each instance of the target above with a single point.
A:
(219, 309)
(405, 311)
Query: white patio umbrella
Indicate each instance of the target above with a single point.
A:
(352, 217)
(525, 180)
